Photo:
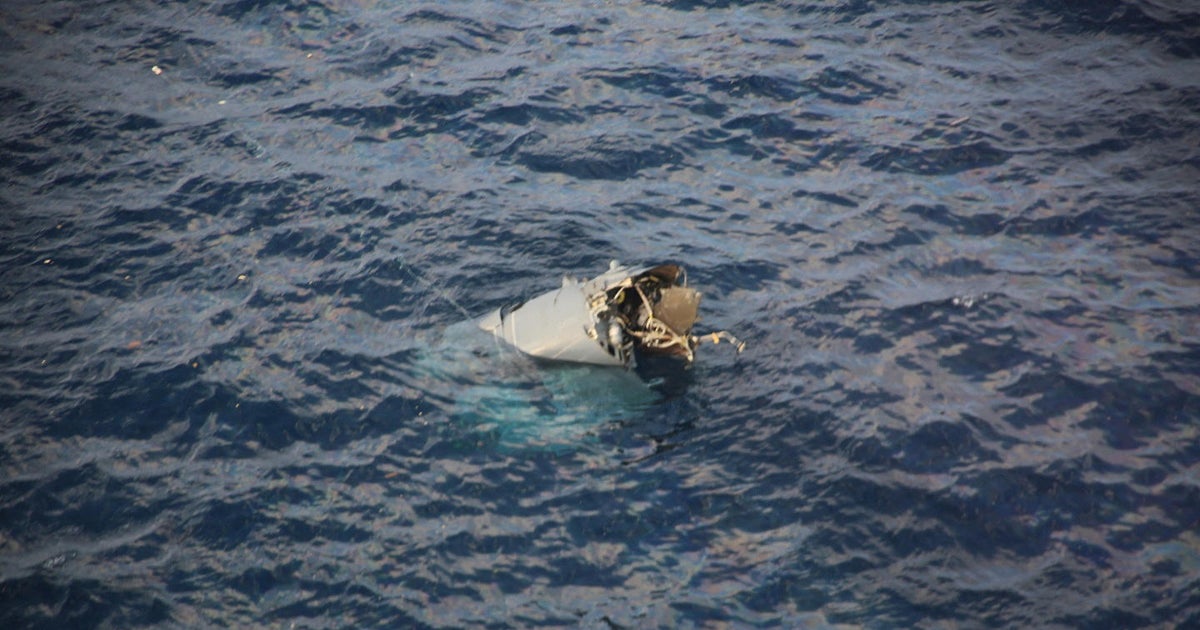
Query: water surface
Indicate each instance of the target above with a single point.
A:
(960, 239)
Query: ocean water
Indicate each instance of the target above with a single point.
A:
(240, 242)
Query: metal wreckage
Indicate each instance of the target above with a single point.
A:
(610, 319)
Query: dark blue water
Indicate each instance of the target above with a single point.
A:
(960, 238)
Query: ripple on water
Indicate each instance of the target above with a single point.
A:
(241, 386)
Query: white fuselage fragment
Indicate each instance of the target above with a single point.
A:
(591, 322)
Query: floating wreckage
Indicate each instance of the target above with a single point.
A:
(608, 320)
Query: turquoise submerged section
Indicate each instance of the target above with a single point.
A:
(504, 398)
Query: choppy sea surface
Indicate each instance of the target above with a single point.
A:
(241, 242)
